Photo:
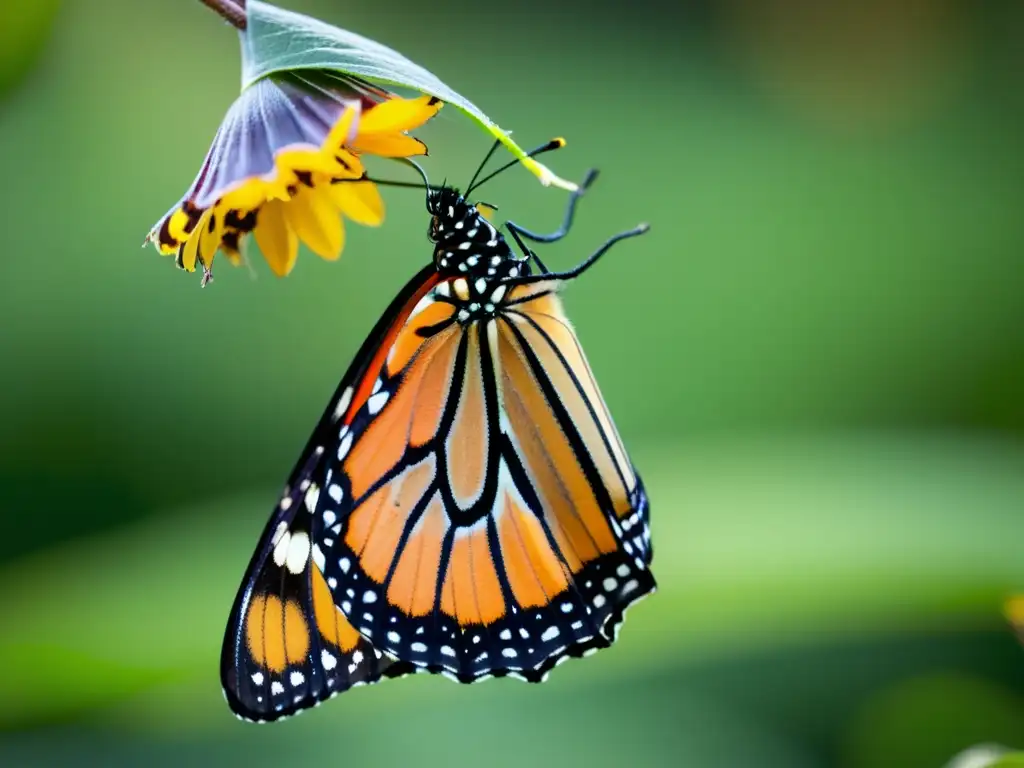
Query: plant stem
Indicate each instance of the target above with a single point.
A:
(232, 11)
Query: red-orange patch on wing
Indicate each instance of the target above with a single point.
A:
(275, 638)
(365, 387)
(414, 583)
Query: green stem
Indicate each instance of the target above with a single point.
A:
(233, 11)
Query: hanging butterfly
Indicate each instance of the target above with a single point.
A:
(465, 505)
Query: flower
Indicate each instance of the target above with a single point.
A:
(277, 165)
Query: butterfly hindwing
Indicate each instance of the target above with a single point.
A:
(489, 521)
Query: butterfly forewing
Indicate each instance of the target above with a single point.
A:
(288, 645)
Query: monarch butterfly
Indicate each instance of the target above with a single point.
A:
(465, 505)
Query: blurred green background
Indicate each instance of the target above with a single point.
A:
(816, 357)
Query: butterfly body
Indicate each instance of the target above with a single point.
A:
(465, 505)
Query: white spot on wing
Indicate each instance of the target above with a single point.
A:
(281, 528)
(318, 557)
(276, 688)
(281, 549)
(369, 596)
(298, 552)
(297, 679)
(312, 497)
(376, 402)
(343, 403)
(257, 678)
(329, 516)
(328, 660)
(346, 443)
(550, 634)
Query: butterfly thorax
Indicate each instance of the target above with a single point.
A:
(467, 244)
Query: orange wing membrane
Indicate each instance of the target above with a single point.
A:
(489, 521)
(465, 505)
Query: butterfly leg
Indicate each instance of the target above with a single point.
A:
(527, 252)
(570, 211)
(588, 262)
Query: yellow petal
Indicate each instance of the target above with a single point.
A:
(190, 249)
(351, 167)
(291, 160)
(177, 224)
(246, 196)
(316, 221)
(396, 115)
(210, 229)
(276, 240)
(338, 137)
(187, 254)
(359, 201)
(389, 145)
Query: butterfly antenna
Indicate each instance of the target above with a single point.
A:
(419, 170)
(490, 153)
(557, 143)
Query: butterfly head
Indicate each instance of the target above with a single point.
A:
(465, 242)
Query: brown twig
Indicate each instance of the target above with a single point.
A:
(231, 10)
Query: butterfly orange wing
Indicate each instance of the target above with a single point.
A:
(490, 522)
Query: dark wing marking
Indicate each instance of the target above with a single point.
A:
(287, 646)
